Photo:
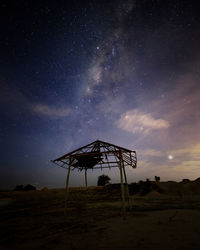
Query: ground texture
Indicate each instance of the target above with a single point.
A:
(35, 220)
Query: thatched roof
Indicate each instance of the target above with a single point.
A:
(98, 154)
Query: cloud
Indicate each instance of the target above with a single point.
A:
(135, 121)
(46, 110)
(15, 101)
(184, 169)
(152, 152)
(192, 152)
(185, 163)
(180, 105)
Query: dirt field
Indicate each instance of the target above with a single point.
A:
(35, 220)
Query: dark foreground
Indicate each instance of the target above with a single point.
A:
(35, 220)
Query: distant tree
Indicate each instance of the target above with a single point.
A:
(103, 180)
(29, 187)
(157, 178)
(19, 188)
(185, 181)
(197, 180)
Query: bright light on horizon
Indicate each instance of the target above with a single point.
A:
(170, 157)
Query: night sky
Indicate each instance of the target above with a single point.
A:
(125, 72)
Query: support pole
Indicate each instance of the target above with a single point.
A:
(126, 187)
(67, 185)
(122, 186)
(86, 184)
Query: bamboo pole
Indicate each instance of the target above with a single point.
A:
(86, 184)
(126, 187)
(122, 187)
(67, 186)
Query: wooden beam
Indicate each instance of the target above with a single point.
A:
(100, 145)
(64, 156)
(67, 186)
(120, 148)
(97, 153)
(86, 184)
(126, 187)
(122, 186)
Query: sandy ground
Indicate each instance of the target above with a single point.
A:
(35, 220)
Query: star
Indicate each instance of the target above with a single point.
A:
(170, 157)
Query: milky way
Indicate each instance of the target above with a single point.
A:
(126, 72)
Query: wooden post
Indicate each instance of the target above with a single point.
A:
(67, 185)
(127, 191)
(122, 186)
(86, 177)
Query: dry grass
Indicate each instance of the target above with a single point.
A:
(35, 220)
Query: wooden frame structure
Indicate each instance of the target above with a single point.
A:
(99, 155)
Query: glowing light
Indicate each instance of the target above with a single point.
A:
(88, 89)
(170, 157)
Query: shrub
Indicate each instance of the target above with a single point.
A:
(157, 178)
(103, 180)
(28, 187)
(19, 188)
